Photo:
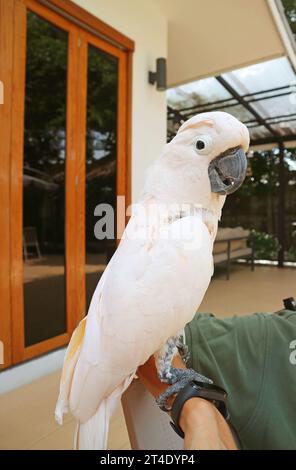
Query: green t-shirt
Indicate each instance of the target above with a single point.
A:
(254, 359)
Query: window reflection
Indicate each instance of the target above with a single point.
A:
(100, 157)
(44, 180)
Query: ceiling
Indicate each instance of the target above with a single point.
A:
(263, 96)
(209, 37)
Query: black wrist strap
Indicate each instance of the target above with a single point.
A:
(213, 393)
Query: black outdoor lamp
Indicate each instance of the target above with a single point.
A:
(159, 77)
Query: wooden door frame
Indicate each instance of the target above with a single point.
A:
(6, 67)
(75, 163)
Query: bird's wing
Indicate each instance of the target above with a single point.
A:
(148, 293)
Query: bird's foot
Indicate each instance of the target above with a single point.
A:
(178, 378)
(183, 350)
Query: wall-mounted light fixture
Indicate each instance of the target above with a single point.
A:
(159, 77)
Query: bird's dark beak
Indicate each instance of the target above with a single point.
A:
(227, 172)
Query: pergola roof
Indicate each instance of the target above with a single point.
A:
(263, 96)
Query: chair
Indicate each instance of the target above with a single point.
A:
(30, 241)
(231, 244)
(148, 427)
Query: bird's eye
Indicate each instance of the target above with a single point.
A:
(200, 145)
(204, 144)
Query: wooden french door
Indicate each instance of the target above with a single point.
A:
(69, 151)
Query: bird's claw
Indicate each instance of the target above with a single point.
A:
(178, 379)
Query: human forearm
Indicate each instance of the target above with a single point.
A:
(203, 425)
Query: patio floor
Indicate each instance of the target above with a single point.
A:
(26, 414)
(247, 292)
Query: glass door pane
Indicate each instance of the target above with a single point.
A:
(44, 180)
(101, 158)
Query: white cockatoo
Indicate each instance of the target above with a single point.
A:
(157, 277)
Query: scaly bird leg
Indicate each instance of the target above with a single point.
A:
(177, 378)
(183, 349)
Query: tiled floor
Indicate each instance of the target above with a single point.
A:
(248, 292)
(26, 414)
(27, 419)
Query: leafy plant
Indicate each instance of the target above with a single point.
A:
(266, 245)
(290, 11)
(292, 250)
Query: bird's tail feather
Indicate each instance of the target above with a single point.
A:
(93, 435)
(72, 355)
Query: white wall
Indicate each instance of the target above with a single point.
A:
(29, 371)
(141, 21)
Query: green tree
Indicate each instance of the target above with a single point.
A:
(290, 11)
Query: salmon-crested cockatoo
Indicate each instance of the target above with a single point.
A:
(157, 277)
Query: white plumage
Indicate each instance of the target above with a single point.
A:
(155, 281)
